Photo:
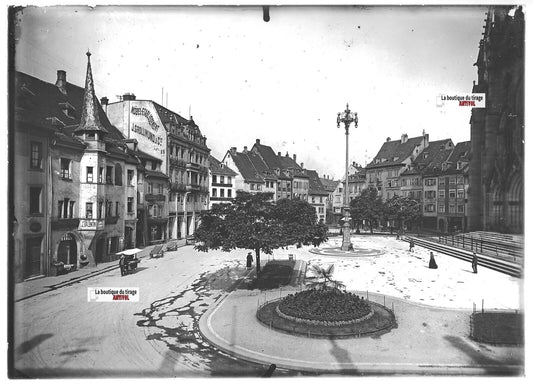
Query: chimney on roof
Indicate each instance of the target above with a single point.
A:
(302, 165)
(388, 139)
(129, 96)
(426, 140)
(61, 82)
(245, 149)
(294, 157)
(286, 154)
(279, 153)
(233, 150)
(258, 141)
(404, 138)
(104, 102)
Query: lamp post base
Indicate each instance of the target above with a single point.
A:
(346, 243)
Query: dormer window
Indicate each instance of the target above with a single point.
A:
(67, 109)
(55, 122)
(425, 155)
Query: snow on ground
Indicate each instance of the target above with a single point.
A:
(406, 275)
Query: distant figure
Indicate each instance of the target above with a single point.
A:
(432, 262)
(411, 245)
(249, 260)
(398, 235)
(474, 263)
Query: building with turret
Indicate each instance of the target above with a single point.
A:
(71, 165)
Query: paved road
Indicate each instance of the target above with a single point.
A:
(60, 333)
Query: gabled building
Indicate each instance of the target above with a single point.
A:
(356, 183)
(69, 163)
(299, 179)
(248, 178)
(429, 165)
(317, 195)
(221, 182)
(152, 199)
(391, 161)
(331, 187)
(437, 179)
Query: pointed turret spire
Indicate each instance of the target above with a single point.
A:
(90, 120)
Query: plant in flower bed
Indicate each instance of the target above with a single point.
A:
(325, 305)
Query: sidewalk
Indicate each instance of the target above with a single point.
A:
(30, 288)
(428, 340)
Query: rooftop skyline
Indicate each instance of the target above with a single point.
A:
(283, 81)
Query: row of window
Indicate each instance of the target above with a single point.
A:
(108, 208)
(159, 188)
(221, 179)
(300, 185)
(220, 193)
(179, 152)
(452, 208)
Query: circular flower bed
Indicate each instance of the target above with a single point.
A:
(325, 307)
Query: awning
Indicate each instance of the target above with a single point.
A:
(129, 252)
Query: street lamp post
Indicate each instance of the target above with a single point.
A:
(346, 117)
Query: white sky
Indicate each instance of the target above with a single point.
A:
(283, 81)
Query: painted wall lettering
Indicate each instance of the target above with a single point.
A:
(145, 112)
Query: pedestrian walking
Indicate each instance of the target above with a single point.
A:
(432, 262)
(474, 262)
(411, 245)
(249, 260)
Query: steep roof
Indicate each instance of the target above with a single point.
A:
(246, 167)
(329, 185)
(394, 152)
(219, 168)
(267, 154)
(315, 185)
(190, 131)
(460, 152)
(38, 101)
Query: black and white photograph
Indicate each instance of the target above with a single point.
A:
(255, 191)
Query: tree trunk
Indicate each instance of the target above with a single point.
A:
(258, 261)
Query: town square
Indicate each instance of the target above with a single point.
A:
(266, 191)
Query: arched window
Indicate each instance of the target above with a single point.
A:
(118, 174)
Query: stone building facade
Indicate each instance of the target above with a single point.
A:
(221, 180)
(496, 172)
(180, 146)
(70, 165)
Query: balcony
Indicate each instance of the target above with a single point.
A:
(154, 197)
(193, 187)
(156, 220)
(192, 166)
(176, 187)
(89, 224)
(64, 223)
(217, 184)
